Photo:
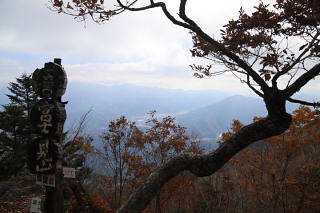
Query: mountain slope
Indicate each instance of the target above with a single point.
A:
(212, 120)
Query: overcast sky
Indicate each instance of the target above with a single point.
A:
(141, 48)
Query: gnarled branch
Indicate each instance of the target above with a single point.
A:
(183, 16)
(204, 165)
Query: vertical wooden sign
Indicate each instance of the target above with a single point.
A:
(47, 117)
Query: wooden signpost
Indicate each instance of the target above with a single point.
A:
(47, 117)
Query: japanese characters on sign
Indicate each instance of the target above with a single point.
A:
(46, 162)
(45, 110)
(47, 117)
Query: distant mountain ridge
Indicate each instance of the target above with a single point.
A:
(205, 114)
(110, 102)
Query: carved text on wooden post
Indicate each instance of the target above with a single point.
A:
(48, 116)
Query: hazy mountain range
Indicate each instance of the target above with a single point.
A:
(206, 114)
(110, 102)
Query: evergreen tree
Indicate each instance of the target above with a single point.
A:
(22, 93)
(15, 128)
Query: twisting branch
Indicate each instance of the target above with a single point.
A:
(172, 19)
(162, 5)
(204, 165)
(314, 104)
(183, 16)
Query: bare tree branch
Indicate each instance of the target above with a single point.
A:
(298, 60)
(314, 104)
(162, 5)
(130, 8)
(252, 88)
(183, 16)
(302, 80)
(81, 125)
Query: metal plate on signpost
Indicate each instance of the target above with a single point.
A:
(46, 180)
(35, 206)
(69, 172)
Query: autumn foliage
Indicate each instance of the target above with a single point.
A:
(264, 39)
(279, 174)
(130, 155)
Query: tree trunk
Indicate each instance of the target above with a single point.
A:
(158, 203)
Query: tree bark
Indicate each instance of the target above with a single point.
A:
(158, 203)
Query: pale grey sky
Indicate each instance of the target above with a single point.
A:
(141, 48)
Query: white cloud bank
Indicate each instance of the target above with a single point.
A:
(139, 48)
